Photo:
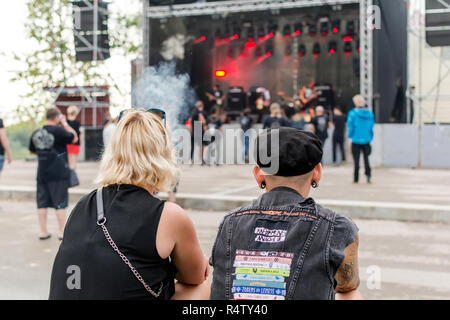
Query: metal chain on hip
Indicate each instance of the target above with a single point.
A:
(127, 262)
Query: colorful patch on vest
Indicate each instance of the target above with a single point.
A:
(250, 296)
(261, 275)
(259, 290)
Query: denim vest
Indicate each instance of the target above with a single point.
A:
(277, 248)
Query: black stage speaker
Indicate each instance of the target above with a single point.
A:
(326, 95)
(437, 17)
(83, 22)
(236, 99)
(93, 139)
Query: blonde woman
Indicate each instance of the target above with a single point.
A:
(275, 119)
(73, 150)
(137, 245)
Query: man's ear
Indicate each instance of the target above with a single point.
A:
(317, 174)
(259, 176)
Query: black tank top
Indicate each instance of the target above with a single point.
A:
(133, 217)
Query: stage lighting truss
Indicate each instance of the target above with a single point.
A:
(288, 49)
(251, 34)
(332, 47)
(366, 53)
(348, 48)
(324, 26)
(316, 50)
(287, 31)
(223, 8)
(336, 26)
(312, 29)
(269, 48)
(298, 29)
(235, 6)
(301, 50)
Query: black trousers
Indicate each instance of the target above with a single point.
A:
(356, 151)
(338, 142)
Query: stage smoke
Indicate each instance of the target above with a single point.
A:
(161, 87)
(173, 47)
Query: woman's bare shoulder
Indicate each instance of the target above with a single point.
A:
(173, 213)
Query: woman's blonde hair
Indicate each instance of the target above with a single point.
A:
(275, 110)
(72, 111)
(140, 152)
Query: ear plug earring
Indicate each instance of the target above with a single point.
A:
(314, 184)
(263, 185)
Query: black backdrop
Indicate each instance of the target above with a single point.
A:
(390, 62)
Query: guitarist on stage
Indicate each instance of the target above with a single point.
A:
(216, 98)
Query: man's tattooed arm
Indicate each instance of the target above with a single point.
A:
(347, 276)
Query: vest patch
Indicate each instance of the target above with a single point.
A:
(261, 275)
(269, 235)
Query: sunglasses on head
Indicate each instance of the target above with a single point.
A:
(158, 112)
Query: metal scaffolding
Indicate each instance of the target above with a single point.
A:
(235, 6)
(423, 102)
(366, 55)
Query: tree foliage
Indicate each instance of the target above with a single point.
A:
(50, 62)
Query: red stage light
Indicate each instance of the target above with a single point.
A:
(347, 38)
(220, 73)
(270, 35)
(236, 36)
(250, 44)
(268, 54)
(332, 51)
(298, 33)
(197, 41)
(335, 30)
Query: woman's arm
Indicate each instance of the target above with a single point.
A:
(5, 143)
(176, 237)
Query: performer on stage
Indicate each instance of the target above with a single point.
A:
(262, 103)
(216, 98)
(308, 95)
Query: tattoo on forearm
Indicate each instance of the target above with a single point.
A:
(348, 273)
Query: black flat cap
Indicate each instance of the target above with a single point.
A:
(299, 152)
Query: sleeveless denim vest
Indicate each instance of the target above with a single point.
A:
(277, 248)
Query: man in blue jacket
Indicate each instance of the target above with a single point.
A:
(360, 124)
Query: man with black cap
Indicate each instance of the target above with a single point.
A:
(284, 246)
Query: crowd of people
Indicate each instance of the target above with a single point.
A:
(157, 255)
(303, 115)
(129, 244)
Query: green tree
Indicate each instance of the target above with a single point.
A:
(51, 61)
